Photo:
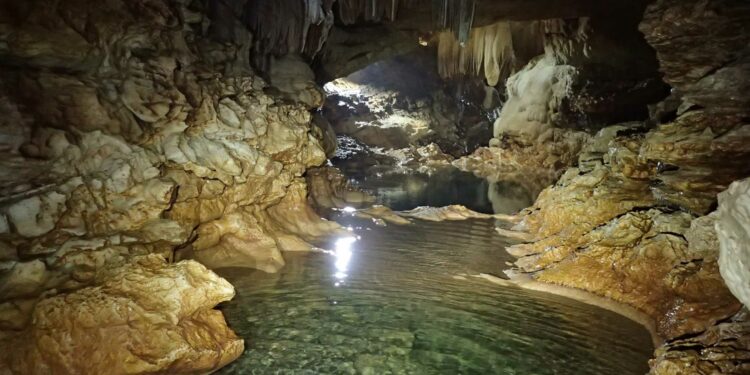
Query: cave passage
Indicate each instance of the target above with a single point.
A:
(400, 297)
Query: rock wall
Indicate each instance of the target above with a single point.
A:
(128, 131)
(594, 73)
(733, 230)
(633, 220)
(111, 327)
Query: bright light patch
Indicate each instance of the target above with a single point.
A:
(349, 209)
(343, 256)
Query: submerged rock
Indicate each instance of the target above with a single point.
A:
(453, 212)
(378, 212)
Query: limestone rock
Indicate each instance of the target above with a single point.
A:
(733, 229)
(453, 212)
(295, 80)
(633, 221)
(534, 167)
(535, 95)
(131, 131)
(329, 189)
(111, 327)
(422, 159)
(378, 212)
(658, 270)
(722, 349)
(395, 104)
(702, 49)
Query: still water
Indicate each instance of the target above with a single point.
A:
(403, 190)
(404, 300)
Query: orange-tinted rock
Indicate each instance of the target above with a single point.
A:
(143, 317)
(721, 349)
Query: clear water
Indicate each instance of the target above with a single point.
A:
(404, 190)
(401, 300)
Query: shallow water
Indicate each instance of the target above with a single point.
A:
(402, 300)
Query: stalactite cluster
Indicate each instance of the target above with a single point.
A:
(489, 50)
(456, 16)
(296, 27)
(498, 50)
(302, 26)
(350, 11)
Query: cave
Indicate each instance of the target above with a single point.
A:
(375, 187)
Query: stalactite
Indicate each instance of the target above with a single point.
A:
(302, 26)
(440, 13)
(566, 37)
(465, 20)
(282, 27)
(489, 50)
(497, 50)
(350, 11)
(454, 15)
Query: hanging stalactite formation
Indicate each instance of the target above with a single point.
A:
(456, 16)
(498, 50)
(351, 11)
(295, 27)
(302, 26)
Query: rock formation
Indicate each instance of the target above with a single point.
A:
(111, 327)
(632, 221)
(734, 238)
(397, 103)
(127, 130)
(140, 137)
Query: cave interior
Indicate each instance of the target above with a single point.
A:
(375, 186)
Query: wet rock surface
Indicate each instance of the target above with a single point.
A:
(401, 102)
(721, 349)
(533, 166)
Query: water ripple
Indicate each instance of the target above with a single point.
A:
(394, 306)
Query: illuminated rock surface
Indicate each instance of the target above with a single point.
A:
(734, 238)
(127, 131)
(141, 317)
(633, 220)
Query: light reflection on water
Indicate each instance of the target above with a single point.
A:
(343, 254)
(388, 301)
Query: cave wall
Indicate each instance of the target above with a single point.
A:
(127, 132)
(138, 132)
(633, 220)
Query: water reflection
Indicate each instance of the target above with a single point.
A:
(402, 310)
(508, 197)
(343, 254)
(403, 190)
